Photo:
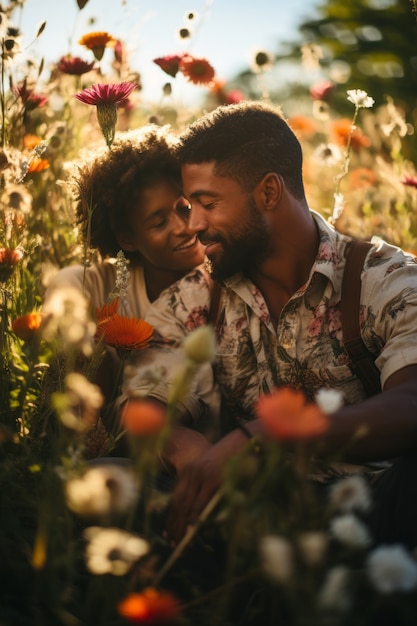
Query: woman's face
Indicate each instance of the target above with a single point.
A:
(159, 230)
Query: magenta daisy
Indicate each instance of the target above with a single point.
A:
(106, 98)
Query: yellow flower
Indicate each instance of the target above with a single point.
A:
(97, 42)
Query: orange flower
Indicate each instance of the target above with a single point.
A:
(151, 607)
(287, 415)
(125, 333)
(31, 141)
(107, 310)
(143, 417)
(302, 125)
(197, 71)
(362, 177)
(97, 42)
(340, 130)
(38, 165)
(26, 326)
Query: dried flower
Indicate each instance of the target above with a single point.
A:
(350, 493)
(197, 70)
(106, 98)
(360, 99)
(26, 326)
(78, 407)
(112, 551)
(125, 333)
(97, 42)
(170, 63)
(287, 415)
(277, 559)
(74, 66)
(149, 607)
(350, 531)
(101, 491)
(329, 400)
(143, 417)
(391, 568)
(262, 61)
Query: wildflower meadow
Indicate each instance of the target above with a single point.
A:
(82, 539)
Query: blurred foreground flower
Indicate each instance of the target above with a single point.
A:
(26, 326)
(106, 98)
(97, 41)
(124, 333)
(150, 607)
(143, 417)
(112, 551)
(287, 415)
(391, 569)
(78, 407)
(102, 491)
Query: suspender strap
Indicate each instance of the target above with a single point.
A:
(362, 360)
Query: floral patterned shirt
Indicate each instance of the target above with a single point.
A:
(306, 349)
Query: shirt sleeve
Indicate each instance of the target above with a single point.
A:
(157, 371)
(389, 294)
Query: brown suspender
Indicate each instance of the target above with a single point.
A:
(362, 360)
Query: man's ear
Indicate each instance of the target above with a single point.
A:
(125, 242)
(269, 190)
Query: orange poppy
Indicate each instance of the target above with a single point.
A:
(341, 129)
(151, 606)
(302, 125)
(125, 333)
(143, 417)
(31, 141)
(362, 177)
(26, 326)
(287, 415)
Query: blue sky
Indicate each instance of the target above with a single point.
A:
(228, 31)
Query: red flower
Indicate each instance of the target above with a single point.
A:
(106, 97)
(30, 99)
(106, 311)
(143, 417)
(106, 94)
(322, 90)
(27, 325)
(74, 66)
(151, 607)
(170, 63)
(409, 181)
(8, 260)
(197, 71)
(287, 415)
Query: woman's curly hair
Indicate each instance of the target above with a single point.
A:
(107, 186)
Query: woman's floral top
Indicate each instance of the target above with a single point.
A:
(306, 349)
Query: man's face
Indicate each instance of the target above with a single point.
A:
(226, 219)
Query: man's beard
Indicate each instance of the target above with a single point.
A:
(243, 251)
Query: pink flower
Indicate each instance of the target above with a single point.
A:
(105, 98)
(321, 90)
(170, 63)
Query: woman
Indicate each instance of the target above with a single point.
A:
(129, 199)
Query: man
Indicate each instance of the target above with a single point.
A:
(281, 267)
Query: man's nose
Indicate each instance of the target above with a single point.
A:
(197, 221)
